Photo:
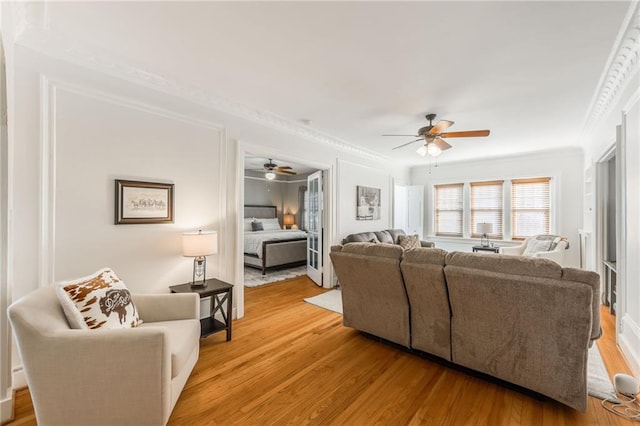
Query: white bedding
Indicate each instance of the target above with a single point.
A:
(253, 240)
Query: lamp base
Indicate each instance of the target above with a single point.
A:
(199, 270)
(484, 241)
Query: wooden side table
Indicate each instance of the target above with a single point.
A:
(220, 292)
(485, 248)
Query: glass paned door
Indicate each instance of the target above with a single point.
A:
(314, 230)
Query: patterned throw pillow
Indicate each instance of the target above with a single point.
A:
(409, 241)
(98, 301)
(536, 246)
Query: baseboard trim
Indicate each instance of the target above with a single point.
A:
(628, 339)
(18, 379)
(6, 409)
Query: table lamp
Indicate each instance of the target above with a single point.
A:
(484, 229)
(289, 220)
(199, 245)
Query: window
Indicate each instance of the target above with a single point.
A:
(530, 207)
(486, 207)
(449, 210)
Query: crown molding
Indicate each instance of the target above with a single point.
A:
(34, 33)
(620, 67)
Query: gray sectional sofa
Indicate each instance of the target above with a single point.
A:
(526, 321)
(388, 236)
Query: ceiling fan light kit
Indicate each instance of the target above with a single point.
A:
(433, 136)
(271, 169)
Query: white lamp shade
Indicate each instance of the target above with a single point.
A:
(484, 228)
(433, 149)
(270, 175)
(201, 243)
(422, 150)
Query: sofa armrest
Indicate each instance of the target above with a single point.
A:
(167, 307)
(512, 251)
(424, 243)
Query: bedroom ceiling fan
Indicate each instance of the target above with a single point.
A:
(433, 136)
(271, 169)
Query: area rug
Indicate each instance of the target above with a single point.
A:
(331, 300)
(598, 382)
(253, 277)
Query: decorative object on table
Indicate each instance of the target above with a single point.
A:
(143, 202)
(368, 203)
(199, 245)
(484, 229)
(289, 220)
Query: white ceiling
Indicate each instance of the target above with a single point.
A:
(525, 70)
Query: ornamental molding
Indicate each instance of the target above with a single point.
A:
(32, 32)
(622, 64)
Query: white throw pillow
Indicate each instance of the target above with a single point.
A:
(98, 301)
(247, 223)
(536, 246)
(270, 224)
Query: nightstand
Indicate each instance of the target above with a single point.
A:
(220, 292)
(486, 248)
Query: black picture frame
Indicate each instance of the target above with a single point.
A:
(143, 202)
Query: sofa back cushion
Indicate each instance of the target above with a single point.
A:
(516, 265)
(362, 237)
(395, 234)
(373, 294)
(384, 237)
(423, 272)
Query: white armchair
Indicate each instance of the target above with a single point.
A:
(531, 246)
(106, 377)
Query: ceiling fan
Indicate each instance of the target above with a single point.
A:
(433, 136)
(272, 169)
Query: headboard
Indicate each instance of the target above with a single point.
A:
(264, 212)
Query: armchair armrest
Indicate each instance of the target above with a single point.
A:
(167, 307)
(424, 243)
(513, 251)
(556, 255)
(79, 367)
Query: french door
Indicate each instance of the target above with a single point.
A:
(314, 228)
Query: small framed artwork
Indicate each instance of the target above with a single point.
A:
(368, 203)
(143, 202)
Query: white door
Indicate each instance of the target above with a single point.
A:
(415, 210)
(400, 207)
(314, 231)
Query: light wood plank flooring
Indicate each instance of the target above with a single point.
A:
(294, 363)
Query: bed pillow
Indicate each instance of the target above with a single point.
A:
(257, 226)
(247, 223)
(271, 224)
(98, 301)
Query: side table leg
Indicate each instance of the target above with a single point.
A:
(229, 313)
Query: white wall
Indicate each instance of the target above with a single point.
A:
(351, 175)
(617, 103)
(75, 130)
(564, 167)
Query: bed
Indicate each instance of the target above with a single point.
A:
(271, 247)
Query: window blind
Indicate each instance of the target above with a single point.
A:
(449, 210)
(486, 207)
(530, 207)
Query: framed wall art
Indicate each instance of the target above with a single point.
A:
(368, 203)
(143, 202)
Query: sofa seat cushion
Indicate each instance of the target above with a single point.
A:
(183, 336)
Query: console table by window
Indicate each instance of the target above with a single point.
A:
(485, 248)
(220, 292)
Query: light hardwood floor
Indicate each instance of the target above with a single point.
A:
(293, 363)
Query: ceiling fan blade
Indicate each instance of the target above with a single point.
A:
(408, 143)
(283, 168)
(442, 144)
(441, 126)
(467, 134)
(285, 172)
(408, 136)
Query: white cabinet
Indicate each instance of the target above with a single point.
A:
(408, 209)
